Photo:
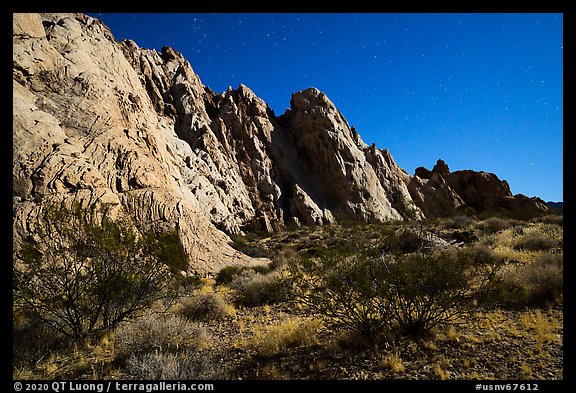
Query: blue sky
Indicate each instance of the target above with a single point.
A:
(480, 91)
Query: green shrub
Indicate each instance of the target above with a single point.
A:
(227, 274)
(261, 269)
(167, 247)
(341, 291)
(83, 272)
(244, 245)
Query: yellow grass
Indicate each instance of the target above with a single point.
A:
(269, 340)
(394, 363)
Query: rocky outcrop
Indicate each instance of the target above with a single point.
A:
(85, 130)
(443, 193)
(100, 121)
(327, 159)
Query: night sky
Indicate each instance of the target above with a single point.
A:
(480, 91)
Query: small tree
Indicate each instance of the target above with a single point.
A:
(83, 272)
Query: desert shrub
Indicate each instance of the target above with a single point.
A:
(82, 272)
(465, 237)
(158, 332)
(261, 269)
(482, 254)
(551, 219)
(535, 284)
(458, 222)
(371, 291)
(206, 307)
(244, 245)
(227, 274)
(33, 340)
(496, 224)
(405, 240)
(535, 242)
(422, 291)
(167, 247)
(255, 289)
(340, 290)
(191, 365)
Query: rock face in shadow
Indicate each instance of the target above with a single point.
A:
(97, 121)
(443, 193)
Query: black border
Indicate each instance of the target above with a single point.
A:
(567, 7)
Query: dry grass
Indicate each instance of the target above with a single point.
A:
(525, 372)
(440, 373)
(159, 332)
(268, 341)
(394, 363)
(540, 327)
(495, 224)
(190, 365)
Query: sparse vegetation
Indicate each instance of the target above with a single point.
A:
(191, 365)
(458, 222)
(206, 307)
(339, 302)
(394, 362)
(270, 340)
(84, 273)
(537, 283)
(496, 224)
(255, 289)
(158, 333)
(406, 293)
(534, 242)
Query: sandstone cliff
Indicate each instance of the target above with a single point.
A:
(100, 121)
(85, 130)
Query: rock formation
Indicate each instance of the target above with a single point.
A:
(85, 130)
(443, 193)
(100, 121)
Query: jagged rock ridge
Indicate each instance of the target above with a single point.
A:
(440, 192)
(98, 121)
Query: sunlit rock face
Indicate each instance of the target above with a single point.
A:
(97, 121)
(86, 130)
